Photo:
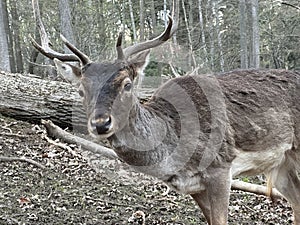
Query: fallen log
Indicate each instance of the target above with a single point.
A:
(27, 97)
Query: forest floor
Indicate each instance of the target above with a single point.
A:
(79, 188)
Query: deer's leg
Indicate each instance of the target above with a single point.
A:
(203, 202)
(214, 200)
(288, 184)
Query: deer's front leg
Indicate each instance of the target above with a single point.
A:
(214, 200)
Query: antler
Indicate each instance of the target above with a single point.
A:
(131, 50)
(50, 53)
(46, 50)
(83, 57)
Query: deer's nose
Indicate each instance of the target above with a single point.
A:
(102, 124)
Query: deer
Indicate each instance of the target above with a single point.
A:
(197, 131)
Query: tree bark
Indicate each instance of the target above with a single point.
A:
(9, 36)
(65, 22)
(132, 21)
(142, 21)
(243, 35)
(28, 98)
(4, 59)
(255, 34)
(192, 61)
(201, 24)
(16, 38)
(153, 16)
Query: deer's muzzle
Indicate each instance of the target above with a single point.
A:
(101, 125)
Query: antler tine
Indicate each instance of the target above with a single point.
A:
(167, 34)
(83, 58)
(50, 53)
(119, 47)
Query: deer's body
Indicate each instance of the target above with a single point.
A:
(261, 123)
(197, 131)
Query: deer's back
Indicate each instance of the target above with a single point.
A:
(261, 106)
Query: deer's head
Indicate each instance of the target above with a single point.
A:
(107, 88)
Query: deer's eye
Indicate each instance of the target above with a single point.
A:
(81, 93)
(127, 86)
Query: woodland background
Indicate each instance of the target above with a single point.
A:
(79, 187)
(213, 35)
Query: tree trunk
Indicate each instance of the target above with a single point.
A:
(201, 24)
(153, 16)
(192, 60)
(32, 99)
(16, 37)
(142, 21)
(243, 35)
(255, 34)
(65, 22)
(215, 9)
(9, 36)
(4, 59)
(132, 21)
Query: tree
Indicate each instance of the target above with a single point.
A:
(142, 21)
(255, 34)
(65, 21)
(243, 35)
(16, 38)
(132, 21)
(9, 35)
(4, 59)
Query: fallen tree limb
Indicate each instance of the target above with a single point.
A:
(57, 132)
(21, 159)
(254, 188)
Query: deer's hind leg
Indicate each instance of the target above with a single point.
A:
(286, 180)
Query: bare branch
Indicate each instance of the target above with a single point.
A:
(254, 188)
(288, 4)
(57, 132)
(21, 159)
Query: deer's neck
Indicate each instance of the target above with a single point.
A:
(148, 137)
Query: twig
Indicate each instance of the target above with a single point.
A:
(21, 159)
(288, 4)
(61, 145)
(14, 135)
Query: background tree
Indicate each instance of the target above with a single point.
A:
(4, 59)
(222, 35)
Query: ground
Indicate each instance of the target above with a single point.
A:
(79, 188)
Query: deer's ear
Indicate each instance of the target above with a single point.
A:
(67, 71)
(140, 61)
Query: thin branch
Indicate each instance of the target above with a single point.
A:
(21, 159)
(288, 4)
(57, 132)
